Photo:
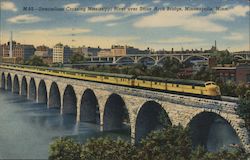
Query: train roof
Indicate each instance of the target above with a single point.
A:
(148, 78)
(171, 80)
(94, 73)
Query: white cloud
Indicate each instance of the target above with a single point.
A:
(230, 14)
(111, 24)
(98, 5)
(26, 18)
(180, 40)
(234, 36)
(72, 5)
(121, 5)
(56, 31)
(156, 1)
(8, 6)
(105, 18)
(186, 20)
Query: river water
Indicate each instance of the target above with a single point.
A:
(27, 128)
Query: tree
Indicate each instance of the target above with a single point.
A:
(171, 67)
(76, 58)
(228, 88)
(35, 61)
(243, 109)
(64, 149)
(224, 57)
(107, 149)
(204, 74)
(169, 143)
(241, 90)
(201, 154)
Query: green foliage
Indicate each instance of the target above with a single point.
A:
(201, 154)
(169, 69)
(107, 149)
(224, 57)
(64, 149)
(170, 143)
(35, 61)
(228, 88)
(76, 58)
(243, 109)
(241, 90)
(204, 74)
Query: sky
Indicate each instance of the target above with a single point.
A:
(157, 24)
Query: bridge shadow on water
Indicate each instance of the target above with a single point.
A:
(39, 116)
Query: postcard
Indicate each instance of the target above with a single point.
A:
(145, 79)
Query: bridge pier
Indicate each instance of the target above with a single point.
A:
(142, 106)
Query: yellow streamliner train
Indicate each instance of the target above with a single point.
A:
(184, 87)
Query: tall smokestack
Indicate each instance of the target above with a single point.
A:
(10, 51)
(215, 45)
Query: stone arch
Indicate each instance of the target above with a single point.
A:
(212, 131)
(151, 116)
(195, 56)
(143, 60)
(89, 109)
(3, 81)
(165, 57)
(16, 86)
(32, 89)
(42, 92)
(239, 57)
(9, 82)
(126, 59)
(69, 101)
(24, 87)
(54, 96)
(116, 115)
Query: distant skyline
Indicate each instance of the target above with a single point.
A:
(193, 29)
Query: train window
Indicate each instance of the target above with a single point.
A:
(193, 87)
(155, 82)
(177, 85)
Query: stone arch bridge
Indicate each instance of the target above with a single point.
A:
(113, 107)
(156, 59)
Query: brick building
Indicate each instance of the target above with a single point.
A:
(238, 74)
(20, 52)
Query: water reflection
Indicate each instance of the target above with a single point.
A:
(27, 128)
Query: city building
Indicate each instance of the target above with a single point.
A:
(237, 74)
(90, 51)
(80, 50)
(20, 52)
(61, 53)
(43, 51)
(118, 50)
(132, 50)
(105, 53)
